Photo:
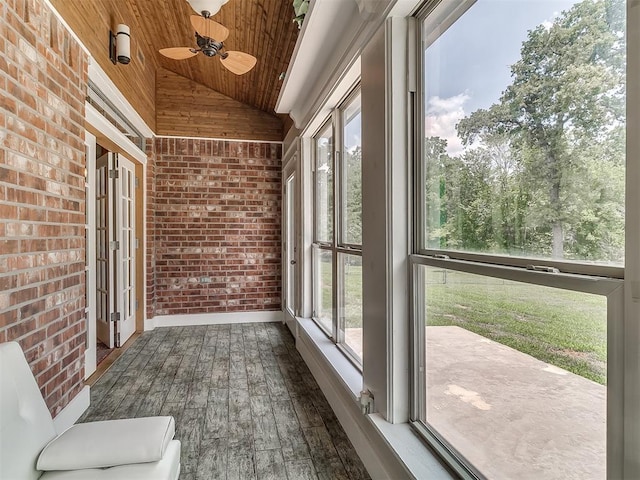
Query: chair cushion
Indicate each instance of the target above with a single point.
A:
(166, 469)
(108, 444)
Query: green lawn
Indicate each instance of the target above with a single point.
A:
(352, 292)
(563, 328)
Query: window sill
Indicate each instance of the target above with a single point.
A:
(387, 450)
(350, 376)
(411, 449)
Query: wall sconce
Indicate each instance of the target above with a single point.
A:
(120, 44)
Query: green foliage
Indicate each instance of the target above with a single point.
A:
(300, 7)
(546, 172)
(352, 202)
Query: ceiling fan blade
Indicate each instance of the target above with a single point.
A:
(208, 28)
(239, 62)
(178, 53)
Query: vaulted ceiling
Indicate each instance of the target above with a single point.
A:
(263, 28)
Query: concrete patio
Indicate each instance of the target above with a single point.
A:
(511, 415)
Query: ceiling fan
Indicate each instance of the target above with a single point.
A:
(209, 38)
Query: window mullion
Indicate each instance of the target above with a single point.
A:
(337, 223)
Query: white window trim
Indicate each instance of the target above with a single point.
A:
(335, 123)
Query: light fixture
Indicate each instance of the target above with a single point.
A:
(120, 44)
(210, 6)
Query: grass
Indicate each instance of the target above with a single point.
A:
(563, 328)
(352, 290)
(353, 296)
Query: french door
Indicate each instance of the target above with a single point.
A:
(125, 234)
(116, 248)
(104, 215)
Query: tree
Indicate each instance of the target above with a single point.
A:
(353, 192)
(567, 90)
(438, 199)
(475, 201)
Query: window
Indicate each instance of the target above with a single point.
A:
(324, 185)
(519, 235)
(337, 253)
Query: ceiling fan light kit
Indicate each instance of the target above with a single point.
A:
(210, 36)
(210, 6)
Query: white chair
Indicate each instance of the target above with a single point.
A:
(138, 448)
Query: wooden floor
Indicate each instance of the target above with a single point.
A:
(245, 404)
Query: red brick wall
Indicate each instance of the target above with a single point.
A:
(217, 215)
(43, 75)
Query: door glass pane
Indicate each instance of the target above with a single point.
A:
(516, 375)
(350, 278)
(352, 174)
(525, 129)
(324, 186)
(323, 290)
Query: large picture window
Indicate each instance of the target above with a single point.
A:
(337, 252)
(519, 235)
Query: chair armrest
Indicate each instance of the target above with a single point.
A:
(109, 443)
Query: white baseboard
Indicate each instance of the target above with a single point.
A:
(149, 324)
(73, 411)
(214, 319)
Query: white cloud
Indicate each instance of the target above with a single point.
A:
(547, 24)
(442, 116)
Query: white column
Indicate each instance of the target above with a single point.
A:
(632, 242)
(386, 220)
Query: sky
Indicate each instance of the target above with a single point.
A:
(468, 66)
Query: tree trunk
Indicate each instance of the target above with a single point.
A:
(557, 249)
(557, 245)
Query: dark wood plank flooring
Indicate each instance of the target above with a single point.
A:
(246, 405)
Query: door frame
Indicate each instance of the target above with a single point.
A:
(90, 254)
(291, 162)
(100, 130)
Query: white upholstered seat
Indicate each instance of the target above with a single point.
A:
(141, 448)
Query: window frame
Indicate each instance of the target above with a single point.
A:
(605, 280)
(612, 289)
(341, 194)
(326, 125)
(335, 122)
(452, 15)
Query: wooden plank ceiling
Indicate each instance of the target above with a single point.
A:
(263, 28)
